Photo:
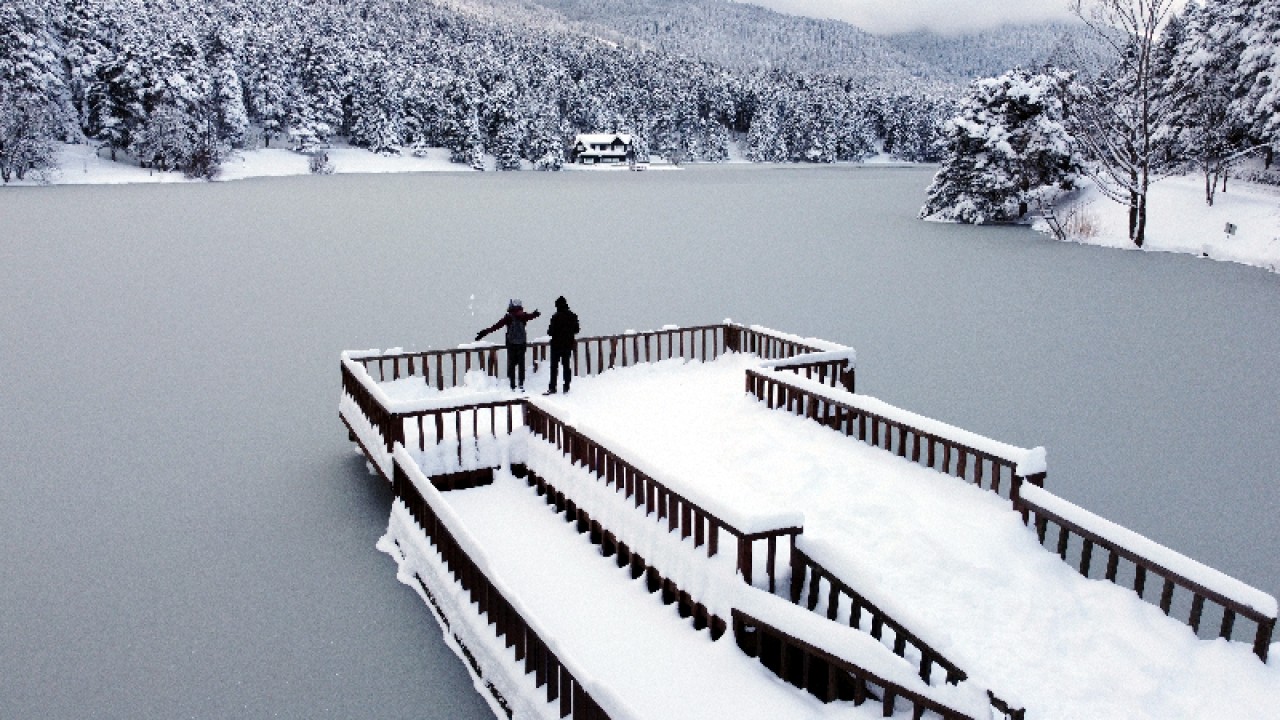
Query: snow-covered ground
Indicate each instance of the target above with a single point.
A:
(1179, 220)
(83, 165)
(952, 561)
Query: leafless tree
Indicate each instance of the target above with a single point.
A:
(1119, 115)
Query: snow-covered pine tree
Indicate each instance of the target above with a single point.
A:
(271, 86)
(324, 84)
(376, 108)
(506, 126)
(765, 140)
(1199, 122)
(857, 138)
(225, 101)
(1257, 82)
(1005, 147)
(910, 125)
(34, 99)
(26, 137)
(545, 146)
(167, 139)
(177, 129)
(87, 28)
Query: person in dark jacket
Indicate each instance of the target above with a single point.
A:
(517, 339)
(563, 328)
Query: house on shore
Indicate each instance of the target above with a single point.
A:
(602, 148)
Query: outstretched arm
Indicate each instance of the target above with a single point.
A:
(492, 327)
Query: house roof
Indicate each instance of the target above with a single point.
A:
(602, 138)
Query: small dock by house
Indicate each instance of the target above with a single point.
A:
(715, 524)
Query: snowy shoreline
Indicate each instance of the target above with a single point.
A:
(1179, 220)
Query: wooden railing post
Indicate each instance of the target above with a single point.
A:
(1262, 641)
(798, 572)
(732, 338)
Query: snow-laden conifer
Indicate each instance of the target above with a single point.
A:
(1005, 147)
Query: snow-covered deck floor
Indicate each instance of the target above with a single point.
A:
(652, 658)
(951, 561)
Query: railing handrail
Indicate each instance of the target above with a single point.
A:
(927, 653)
(756, 379)
(784, 345)
(802, 563)
(691, 511)
(658, 483)
(612, 543)
(893, 689)
(1240, 606)
(1029, 461)
(481, 346)
(1039, 515)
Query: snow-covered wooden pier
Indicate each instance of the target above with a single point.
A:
(715, 525)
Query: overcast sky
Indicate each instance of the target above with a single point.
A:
(888, 16)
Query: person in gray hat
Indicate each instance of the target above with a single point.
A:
(517, 339)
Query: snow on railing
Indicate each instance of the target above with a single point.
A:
(578, 693)
(448, 368)
(377, 422)
(700, 342)
(773, 344)
(928, 441)
(932, 443)
(802, 649)
(682, 510)
(609, 520)
(833, 367)
(1149, 557)
(808, 579)
(809, 575)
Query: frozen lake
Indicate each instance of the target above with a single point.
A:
(188, 534)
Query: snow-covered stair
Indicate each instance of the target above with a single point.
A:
(635, 653)
(659, 532)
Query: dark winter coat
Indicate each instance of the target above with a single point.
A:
(514, 321)
(563, 328)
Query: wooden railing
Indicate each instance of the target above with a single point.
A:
(528, 647)
(768, 345)
(477, 419)
(442, 368)
(953, 458)
(592, 355)
(656, 498)
(611, 546)
(933, 451)
(836, 373)
(432, 423)
(866, 616)
(828, 677)
(1086, 542)
(806, 569)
